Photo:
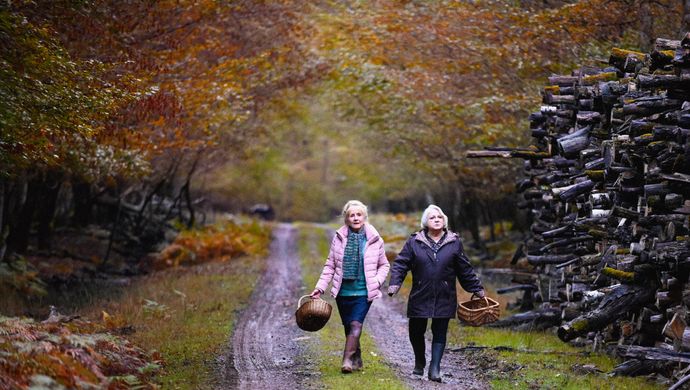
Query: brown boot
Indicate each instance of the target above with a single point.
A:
(348, 354)
(351, 346)
(357, 360)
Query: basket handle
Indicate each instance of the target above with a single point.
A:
(299, 303)
(477, 297)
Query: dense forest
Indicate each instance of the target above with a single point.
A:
(133, 120)
(149, 111)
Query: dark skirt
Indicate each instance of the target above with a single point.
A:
(352, 309)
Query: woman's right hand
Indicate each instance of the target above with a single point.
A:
(315, 294)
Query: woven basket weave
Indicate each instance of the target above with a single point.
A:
(478, 312)
(313, 314)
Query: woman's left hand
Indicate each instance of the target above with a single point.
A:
(480, 294)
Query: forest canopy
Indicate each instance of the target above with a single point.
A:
(297, 104)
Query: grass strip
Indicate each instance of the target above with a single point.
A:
(313, 249)
(186, 314)
(537, 360)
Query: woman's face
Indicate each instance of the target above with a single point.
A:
(355, 218)
(435, 220)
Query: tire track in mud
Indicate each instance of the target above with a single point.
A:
(266, 352)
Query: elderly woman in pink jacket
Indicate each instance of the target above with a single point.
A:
(357, 266)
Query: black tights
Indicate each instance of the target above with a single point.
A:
(348, 328)
(439, 328)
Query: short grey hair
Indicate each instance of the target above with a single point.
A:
(425, 216)
(354, 203)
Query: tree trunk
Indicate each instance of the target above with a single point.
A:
(685, 21)
(646, 40)
(490, 220)
(18, 238)
(3, 229)
(83, 202)
(471, 219)
(46, 209)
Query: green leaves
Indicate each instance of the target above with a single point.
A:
(48, 101)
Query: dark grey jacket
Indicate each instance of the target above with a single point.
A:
(433, 276)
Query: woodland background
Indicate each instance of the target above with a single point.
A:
(141, 112)
(123, 123)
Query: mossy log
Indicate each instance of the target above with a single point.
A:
(648, 353)
(622, 212)
(662, 81)
(661, 44)
(595, 174)
(649, 106)
(550, 98)
(576, 190)
(530, 155)
(637, 367)
(623, 276)
(561, 231)
(570, 147)
(531, 320)
(565, 242)
(488, 153)
(616, 303)
(619, 56)
(597, 78)
(563, 81)
(550, 259)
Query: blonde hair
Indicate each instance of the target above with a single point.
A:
(425, 216)
(354, 203)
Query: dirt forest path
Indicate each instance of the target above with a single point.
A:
(266, 351)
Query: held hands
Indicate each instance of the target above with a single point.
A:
(479, 294)
(315, 294)
(392, 290)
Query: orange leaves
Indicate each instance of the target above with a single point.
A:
(68, 352)
(219, 242)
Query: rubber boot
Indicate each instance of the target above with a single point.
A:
(357, 363)
(418, 346)
(435, 365)
(350, 348)
(351, 343)
(357, 357)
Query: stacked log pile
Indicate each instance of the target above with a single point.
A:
(608, 188)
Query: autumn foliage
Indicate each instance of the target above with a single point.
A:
(219, 242)
(73, 353)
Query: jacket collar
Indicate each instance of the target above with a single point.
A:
(421, 237)
(371, 233)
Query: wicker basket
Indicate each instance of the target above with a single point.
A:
(478, 312)
(313, 314)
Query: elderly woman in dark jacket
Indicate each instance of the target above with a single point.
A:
(436, 258)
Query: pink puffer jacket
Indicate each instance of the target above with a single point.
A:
(375, 263)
